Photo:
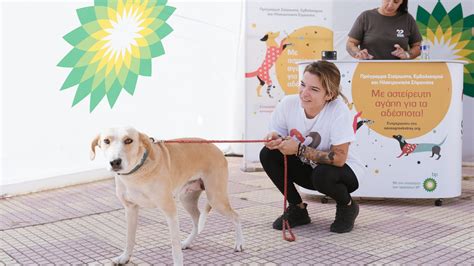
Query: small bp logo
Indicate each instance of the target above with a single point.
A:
(429, 184)
(450, 34)
(113, 46)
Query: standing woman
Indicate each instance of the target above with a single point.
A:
(388, 32)
(314, 129)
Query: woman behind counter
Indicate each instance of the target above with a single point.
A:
(388, 32)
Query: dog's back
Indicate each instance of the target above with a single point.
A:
(193, 156)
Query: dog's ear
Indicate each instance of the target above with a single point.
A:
(145, 140)
(94, 143)
(265, 38)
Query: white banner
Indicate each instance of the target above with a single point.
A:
(278, 34)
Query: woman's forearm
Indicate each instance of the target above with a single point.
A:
(352, 49)
(337, 156)
(414, 51)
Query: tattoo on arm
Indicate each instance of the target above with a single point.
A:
(331, 156)
(322, 156)
(319, 156)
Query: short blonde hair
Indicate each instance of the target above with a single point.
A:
(329, 75)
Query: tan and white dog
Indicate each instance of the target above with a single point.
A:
(151, 175)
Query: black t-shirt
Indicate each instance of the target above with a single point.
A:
(378, 33)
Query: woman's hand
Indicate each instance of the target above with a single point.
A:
(352, 47)
(288, 146)
(400, 53)
(274, 140)
(363, 55)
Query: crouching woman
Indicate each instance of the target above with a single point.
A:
(314, 129)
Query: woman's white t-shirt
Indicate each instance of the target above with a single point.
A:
(332, 126)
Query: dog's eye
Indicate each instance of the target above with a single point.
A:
(128, 141)
(107, 141)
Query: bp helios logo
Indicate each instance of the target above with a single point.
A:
(113, 46)
(430, 184)
(450, 35)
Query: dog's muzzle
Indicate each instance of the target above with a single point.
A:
(116, 164)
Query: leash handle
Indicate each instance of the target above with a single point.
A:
(286, 224)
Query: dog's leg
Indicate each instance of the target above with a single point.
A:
(225, 209)
(259, 87)
(168, 207)
(189, 200)
(216, 191)
(436, 150)
(269, 88)
(131, 215)
(203, 217)
(259, 90)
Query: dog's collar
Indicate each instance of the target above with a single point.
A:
(145, 155)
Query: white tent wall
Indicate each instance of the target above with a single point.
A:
(191, 92)
(196, 87)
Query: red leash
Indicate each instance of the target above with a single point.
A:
(211, 141)
(286, 225)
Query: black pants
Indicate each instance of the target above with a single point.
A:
(335, 182)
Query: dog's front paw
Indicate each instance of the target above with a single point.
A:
(122, 259)
(238, 247)
(185, 244)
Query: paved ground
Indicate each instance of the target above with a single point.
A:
(85, 224)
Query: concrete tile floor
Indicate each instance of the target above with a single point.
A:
(85, 224)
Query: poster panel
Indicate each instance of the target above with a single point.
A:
(408, 124)
(277, 36)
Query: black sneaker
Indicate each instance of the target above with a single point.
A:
(295, 216)
(345, 218)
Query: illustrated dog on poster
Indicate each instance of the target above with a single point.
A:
(359, 123)
(271, 56)
(408, 148)
(356, 124)
(150, 175)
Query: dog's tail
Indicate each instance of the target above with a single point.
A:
(203, 217)
(251, 74)
(443, 140)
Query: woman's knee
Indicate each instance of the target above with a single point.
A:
(271, 164)
(268, 156)
(323, 178)
(350, 179)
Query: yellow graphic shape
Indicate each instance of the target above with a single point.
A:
(304, 44)
(408, 99)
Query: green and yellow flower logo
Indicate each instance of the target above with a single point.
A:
(451, 37)
(113, 46)
(430, 184)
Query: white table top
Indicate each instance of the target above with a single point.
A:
(388, 61)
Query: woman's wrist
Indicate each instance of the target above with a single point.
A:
(408, 55)
(355, 51)
(301, 150)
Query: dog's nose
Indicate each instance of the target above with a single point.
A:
(116, 163)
